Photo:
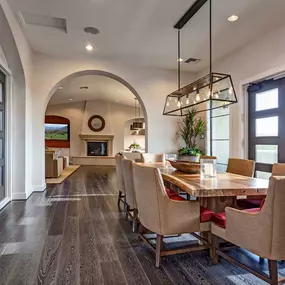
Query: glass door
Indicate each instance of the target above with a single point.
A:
(2, 136)
(266, 119)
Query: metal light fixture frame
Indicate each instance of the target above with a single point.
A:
(227, 95)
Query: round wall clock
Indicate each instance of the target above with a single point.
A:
(96, 123)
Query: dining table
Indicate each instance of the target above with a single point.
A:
(215, 193)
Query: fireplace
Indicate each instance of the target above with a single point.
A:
(97, 148)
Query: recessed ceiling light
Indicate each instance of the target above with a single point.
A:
(180, 59)
(91, 30)
(232, 18)
(70, 99)
(89, 47)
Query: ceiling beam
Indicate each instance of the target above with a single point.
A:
(198, 4)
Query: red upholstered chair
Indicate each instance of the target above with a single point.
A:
(260, 231)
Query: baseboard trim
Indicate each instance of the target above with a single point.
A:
(26, 196)
(39, 188)
(19, 196)
(4, 202)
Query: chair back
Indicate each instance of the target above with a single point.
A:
(274, 209)
(241, 167)
(153, 158)
(119, 171)
(278, 169)
(150, 195)
(127, 166)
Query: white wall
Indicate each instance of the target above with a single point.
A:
(263, 57)
(19, 59)
(151, 85)
(78, 113)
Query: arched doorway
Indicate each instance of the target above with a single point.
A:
(58, 108)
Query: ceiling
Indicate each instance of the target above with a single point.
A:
(99, 88)
(141, 32)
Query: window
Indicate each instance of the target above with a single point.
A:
(266, 120)
(220, 136)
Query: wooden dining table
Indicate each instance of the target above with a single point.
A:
(214, 193)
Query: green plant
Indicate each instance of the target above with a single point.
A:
(135, 146)
(190, 127)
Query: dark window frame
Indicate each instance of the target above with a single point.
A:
(253, 115)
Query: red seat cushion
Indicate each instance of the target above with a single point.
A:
(250, 203)
(205, 215)
(173, 195)
(219, 219)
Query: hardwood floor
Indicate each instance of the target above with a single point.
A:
(74, 234)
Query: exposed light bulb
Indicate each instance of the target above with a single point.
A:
(170, 98)
(187, 101)
(198, 97)
(217, 95)
(180, 59)
(231, 90)
(89, 47)
(167, 104)
(179, 104)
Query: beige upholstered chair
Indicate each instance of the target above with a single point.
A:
(260, 232)
(120, 181)
(127, 166)
(54, 166)
(278, 169)
(241, 166)
(163, 216)
(153, 158)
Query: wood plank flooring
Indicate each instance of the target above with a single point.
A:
(73, 233)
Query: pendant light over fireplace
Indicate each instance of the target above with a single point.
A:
(137, 124)
(212, 91)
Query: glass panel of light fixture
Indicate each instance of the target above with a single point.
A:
(266, 127)
(266, 100)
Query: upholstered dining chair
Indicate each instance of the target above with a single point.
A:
(153, 158)
(260, 231)
(132, 211)
(120, 181)
(163, 215)
(242, 167)
(278, 169)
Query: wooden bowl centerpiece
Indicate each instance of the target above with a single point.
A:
(186, 166)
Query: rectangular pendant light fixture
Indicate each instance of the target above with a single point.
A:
(210, 92)
(213, 91)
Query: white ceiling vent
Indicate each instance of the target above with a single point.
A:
(44, 21)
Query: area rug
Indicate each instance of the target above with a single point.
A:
(66, 173)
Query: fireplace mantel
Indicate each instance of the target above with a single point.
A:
(87, 137)
(96, 138)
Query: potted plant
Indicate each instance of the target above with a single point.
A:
(190, 127)
(134, 147)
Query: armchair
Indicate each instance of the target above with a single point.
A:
(165, 216)
(260, 231)
(120, 181)
(54, 166)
